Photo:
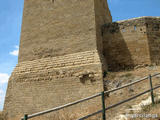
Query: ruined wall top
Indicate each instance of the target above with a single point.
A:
(139, 21)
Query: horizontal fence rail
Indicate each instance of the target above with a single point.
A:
(119, 103)
(129, 84)
(26, 117)
(63, 106)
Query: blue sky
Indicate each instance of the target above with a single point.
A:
(10, 27)
(125, 9)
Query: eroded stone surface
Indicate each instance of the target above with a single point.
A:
(132, 43)
(60, 56)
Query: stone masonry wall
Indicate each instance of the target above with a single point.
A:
(56, 28)
(60, 56)
(126, 44)
(61, 27)
(153, 32)
(102, 16)
(49, 82)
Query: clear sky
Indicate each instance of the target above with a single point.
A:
(10, 27)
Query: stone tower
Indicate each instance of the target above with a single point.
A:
(60, 56)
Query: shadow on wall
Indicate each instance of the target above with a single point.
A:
(115, 49)
(153, 34)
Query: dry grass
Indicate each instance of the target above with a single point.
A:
(153, 110)
(124, 77)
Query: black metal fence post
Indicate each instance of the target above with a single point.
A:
(25, 117)
(103, 106)
(151, 86)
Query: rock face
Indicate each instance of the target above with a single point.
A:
(60, 56)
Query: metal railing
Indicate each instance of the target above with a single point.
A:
(102, 94)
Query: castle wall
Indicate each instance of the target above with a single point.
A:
(102, 16)
(153, 32)
(60, 57)
(49, 82)
(126, 44)
(58, 28)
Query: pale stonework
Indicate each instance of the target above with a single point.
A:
(60, 55)
(66, 47)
